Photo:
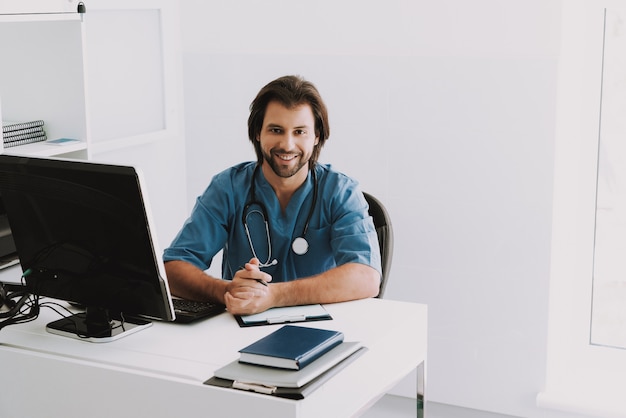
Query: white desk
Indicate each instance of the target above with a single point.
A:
(159, 372)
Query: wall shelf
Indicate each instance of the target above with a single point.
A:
(109, 77)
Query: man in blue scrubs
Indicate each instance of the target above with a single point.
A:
(292, 231)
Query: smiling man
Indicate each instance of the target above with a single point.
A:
(292, 231)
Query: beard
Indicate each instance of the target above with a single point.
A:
(282, 170)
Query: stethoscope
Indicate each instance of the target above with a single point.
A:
(299, 246)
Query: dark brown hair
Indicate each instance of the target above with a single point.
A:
(290, 91)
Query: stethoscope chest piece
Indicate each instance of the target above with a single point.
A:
(300, 246)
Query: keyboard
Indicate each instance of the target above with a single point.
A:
(191, 310)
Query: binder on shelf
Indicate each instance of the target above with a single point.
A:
(290, 347)
(9, 126)
(15, 134)
(25, 141)
(20, 137)
(19, 132)
(283, 383)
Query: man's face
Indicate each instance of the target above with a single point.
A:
(287, 138)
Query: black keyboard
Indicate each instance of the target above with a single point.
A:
(190, 310)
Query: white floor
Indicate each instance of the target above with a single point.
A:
(400, 407)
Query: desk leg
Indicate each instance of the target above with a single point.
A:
(421, 389)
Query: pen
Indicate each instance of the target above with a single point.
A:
(263, 282)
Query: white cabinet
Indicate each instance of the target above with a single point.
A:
(42, 77)
(109, 77)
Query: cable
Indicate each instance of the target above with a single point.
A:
(23, 305)
(26, 309)
(14, 307)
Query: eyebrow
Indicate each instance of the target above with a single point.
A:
(276, 125)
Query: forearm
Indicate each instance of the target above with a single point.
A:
(347, 282)
(189, 282)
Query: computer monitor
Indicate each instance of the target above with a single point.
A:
(83, 233)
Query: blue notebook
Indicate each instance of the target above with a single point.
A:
(290, 347)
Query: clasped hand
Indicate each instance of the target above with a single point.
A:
(248, 292)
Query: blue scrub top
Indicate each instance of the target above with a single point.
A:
(340, 230)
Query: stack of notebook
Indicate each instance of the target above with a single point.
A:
(20, 133)
(291, 362)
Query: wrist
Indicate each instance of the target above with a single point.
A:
(282, 294)
(215, 289)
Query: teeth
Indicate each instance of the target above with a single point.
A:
(286, 157)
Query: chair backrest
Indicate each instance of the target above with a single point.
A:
(384, 229)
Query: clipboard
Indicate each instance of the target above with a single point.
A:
(345, 354)
(283, 315)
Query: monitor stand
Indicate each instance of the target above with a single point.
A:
(96, 326)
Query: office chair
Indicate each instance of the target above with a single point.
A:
(384, 229)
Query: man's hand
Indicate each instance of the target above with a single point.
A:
(248, 292)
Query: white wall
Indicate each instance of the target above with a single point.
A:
(446, 111)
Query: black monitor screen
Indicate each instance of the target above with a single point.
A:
(83, 234)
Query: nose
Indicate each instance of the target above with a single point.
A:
(288, 141)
